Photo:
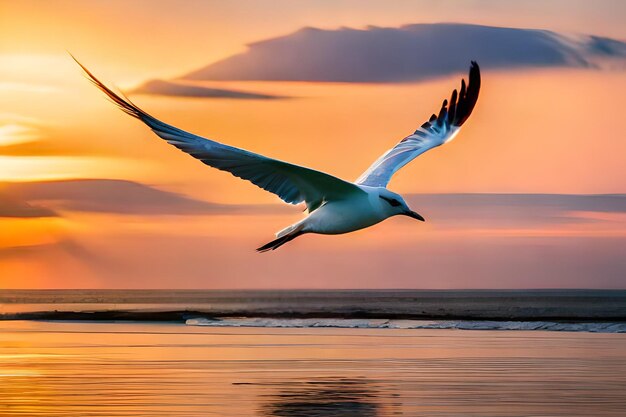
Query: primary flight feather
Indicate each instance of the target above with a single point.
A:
(334, 206)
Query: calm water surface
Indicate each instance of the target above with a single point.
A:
(101, 369)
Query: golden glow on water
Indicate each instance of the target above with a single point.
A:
(74, 369)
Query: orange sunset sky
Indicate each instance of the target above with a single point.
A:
(90, 198)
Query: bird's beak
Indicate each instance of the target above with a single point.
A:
(414, 215)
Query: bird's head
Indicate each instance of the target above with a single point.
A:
(393, 205)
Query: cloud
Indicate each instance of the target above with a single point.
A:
(168, 88)
(513, 210)
(46, 148)
(47, 198)
(408, 53)
(53, 143)
(107, 196)
(66, 245)
(26, 87)
(10, 207)
(24, 136)
(15, 133)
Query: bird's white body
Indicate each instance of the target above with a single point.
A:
(344, 216)
(335, 206)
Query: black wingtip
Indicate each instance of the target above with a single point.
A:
(468, 95)
(456, 111)
(474, 73)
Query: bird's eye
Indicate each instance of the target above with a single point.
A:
(392, 201)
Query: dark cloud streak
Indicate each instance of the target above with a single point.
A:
(11, 207)
(109, 196)
(514, 209)
(168, 88)
(46, 148)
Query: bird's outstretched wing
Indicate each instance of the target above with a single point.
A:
(438, 130)
(292, 183)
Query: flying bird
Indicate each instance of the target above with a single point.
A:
(334, 205)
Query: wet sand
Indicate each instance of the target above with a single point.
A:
(148, 369)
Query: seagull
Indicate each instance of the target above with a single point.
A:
(334, 206)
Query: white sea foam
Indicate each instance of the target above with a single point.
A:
(597, 327)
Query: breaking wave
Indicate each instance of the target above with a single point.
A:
(596, 327)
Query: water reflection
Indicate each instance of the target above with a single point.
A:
(329, 398)
(165, 370)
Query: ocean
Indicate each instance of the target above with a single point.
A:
(312, 353)
(570, 310)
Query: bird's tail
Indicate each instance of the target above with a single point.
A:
(282, 239)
